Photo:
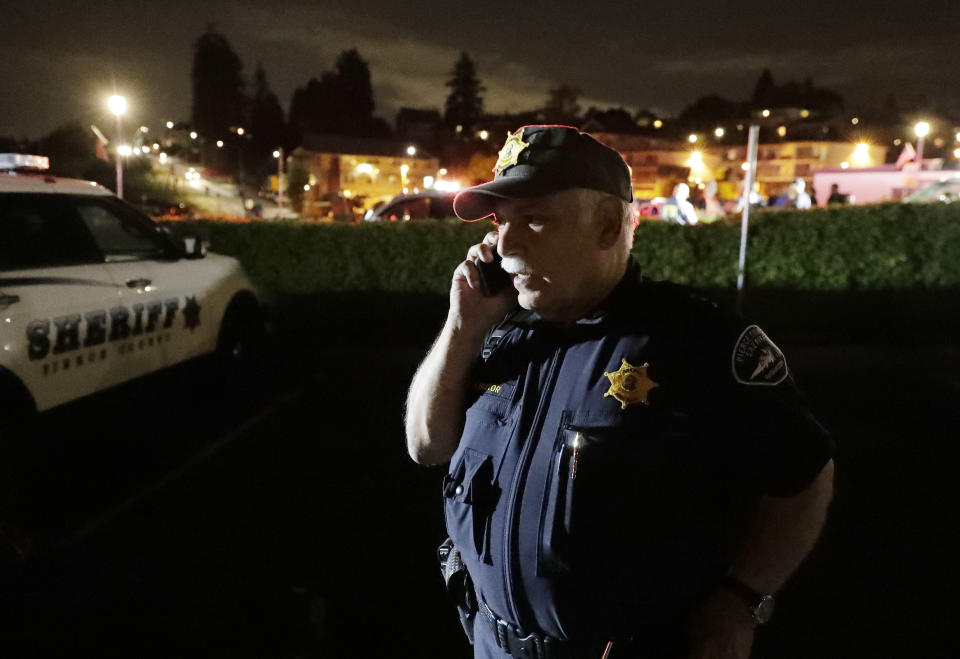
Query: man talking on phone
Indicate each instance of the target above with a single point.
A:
(632, 471)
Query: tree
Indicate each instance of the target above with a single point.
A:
(353, 89)
(266, 121)
(341, 101)
(764, 89)
(562, 106)
(218, 100)
(708, 112)
(464, 104)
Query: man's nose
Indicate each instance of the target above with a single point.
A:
(507, 243)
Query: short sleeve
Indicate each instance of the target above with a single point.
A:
(760, 428)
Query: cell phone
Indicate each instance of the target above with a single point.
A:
(493, 278)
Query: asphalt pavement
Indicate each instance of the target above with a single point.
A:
(194, 516)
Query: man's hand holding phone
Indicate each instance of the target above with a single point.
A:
(472, 309)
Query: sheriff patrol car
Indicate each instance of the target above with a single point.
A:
(94, 294)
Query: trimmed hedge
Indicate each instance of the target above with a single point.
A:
(879, 247)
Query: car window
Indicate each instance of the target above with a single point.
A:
(41, 231)
(408, 209)
(121, 233)
(441, 207)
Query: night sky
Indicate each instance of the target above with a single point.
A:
(61, 59)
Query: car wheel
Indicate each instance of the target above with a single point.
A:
(240, 342)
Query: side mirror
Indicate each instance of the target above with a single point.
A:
(194, 247)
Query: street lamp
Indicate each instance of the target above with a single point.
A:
(922, 129)
(411, 150)
(278, 154)
(118, 105)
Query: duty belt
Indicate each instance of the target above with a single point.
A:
(517, 643)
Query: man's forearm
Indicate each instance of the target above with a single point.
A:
(782, 533)
(437, 395)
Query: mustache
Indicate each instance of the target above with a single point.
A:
(515, 266)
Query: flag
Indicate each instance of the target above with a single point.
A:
(100, 149)
(906, 155)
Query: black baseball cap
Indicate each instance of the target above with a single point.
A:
(539, 160)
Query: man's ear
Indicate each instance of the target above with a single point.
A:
(610, 225)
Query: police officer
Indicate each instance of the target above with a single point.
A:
(631, 470)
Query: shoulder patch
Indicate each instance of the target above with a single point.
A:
(757, 360)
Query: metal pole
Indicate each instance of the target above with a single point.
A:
(280, 179)
(119, 158)
(919, 153)
(752, 139)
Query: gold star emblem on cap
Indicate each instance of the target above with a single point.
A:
(510, 151)
(630, 384)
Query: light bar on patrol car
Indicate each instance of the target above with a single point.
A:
(23, 161)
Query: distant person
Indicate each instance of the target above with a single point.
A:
(795, 197)
(712, 206)
(757, 200)
(677, 208)
(836, 197)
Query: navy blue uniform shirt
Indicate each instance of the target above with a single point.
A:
(581, 518)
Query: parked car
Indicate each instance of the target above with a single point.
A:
(416, 206)
(94, 294)
(943, 191)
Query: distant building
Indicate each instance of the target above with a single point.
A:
(656, 165)
(779, 164)
(361, 169)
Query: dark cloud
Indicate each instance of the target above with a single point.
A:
(63, 58)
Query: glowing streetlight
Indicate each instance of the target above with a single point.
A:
(219, 144)
(169, 125)
(765, 113)
(782, 131)
(240, 131)
(861, 155)
(855, 121)
(719, 132)
(692, 138)
(124, 150)
(922, 129)
(144, 129)
(193, 134)
(276, 153)
(442, 172)
(411, 150)
(484, 134)
(118, 105)
(657, 124)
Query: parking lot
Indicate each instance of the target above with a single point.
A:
(190, 516)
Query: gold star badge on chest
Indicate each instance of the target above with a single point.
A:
(510, 151)
(630, 384)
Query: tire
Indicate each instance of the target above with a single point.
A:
(240, 342)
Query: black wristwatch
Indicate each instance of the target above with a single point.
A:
(761, 606)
